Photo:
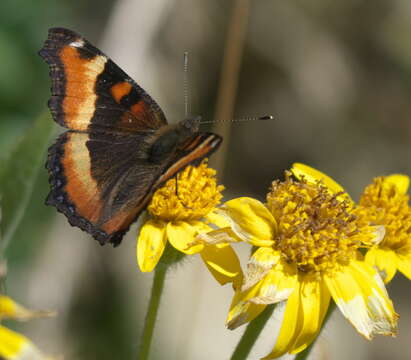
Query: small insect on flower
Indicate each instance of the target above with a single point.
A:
(307, 237)
(14, 345)
(179, 211)
(385, 202)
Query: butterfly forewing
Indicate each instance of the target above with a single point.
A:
(90, 91)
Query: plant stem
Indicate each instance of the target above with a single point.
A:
(152, 311)
(251, 334)
(230, 73)
(303, 355)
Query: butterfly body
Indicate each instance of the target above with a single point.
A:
(172, 137)
(119, 147)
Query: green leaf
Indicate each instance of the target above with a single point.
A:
(18, 175)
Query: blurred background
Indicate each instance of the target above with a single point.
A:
(335, 75)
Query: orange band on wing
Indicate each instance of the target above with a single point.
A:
(81, 187)
(80, 96)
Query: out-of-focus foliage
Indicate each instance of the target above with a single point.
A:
(18, 176)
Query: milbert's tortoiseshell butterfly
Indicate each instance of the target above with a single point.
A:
(119, 148)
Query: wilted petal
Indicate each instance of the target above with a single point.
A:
(260, 263)
(217, 219)
(242, 310)
(277, 285)
(360, 294)
(379, 234)
(219, 236)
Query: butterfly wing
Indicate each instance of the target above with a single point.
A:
(90, 92)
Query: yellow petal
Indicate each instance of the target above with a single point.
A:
(151, 244)
(401, 182)
(182, 235)
(360, 294)
(11, 310)
(250, 220)
(313, 175)
(14, 346)
(222, 261)
(290, 326)
(315, 299)
(404, 264)
(385, 260)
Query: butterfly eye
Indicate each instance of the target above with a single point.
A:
(191, 123)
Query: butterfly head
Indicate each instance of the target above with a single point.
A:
(190, 125)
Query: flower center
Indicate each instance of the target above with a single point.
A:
(189, 196)
(382, 204)
(317, 230)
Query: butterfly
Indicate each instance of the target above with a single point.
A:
(119, 147)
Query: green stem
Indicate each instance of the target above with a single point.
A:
(251, 334)
(303, 355)
(152, 311)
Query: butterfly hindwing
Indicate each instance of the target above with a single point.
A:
(89, 91)
(100, 182)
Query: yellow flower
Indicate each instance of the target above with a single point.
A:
(15, 346)
(308, 238)
(385, 202)
(178, 215)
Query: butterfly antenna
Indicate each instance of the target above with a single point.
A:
(186, 99)
(265, 117)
